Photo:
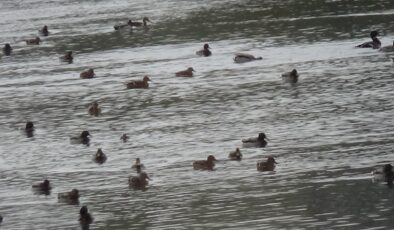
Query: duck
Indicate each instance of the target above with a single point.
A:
(85, 219)
(205, 51)
(291, 77)
(243, 57)
(375, 43)
(235, 155)
(386, 175)
(138, 84)
(72, 196)
(139, 24)
(7, 49)
(44, 31)
(120, 26)
(68, 57)
(81, 139)
(207, 164)
(268, 165)
(137, 164)
(29, 129)
(140, 181)
(43, 187)
(185, 73)
(124, 137)
(387, 49)
(100, 157)
(255, 141)
(34, 41)
(94, 109)
(1, 219)
(87, 74)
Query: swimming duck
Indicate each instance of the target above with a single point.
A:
(235, 155)
(72, 196)
(268, 165)
(242, 58)
(139, 24)
(29, 129)
(138, 164)
(44, 31)
(87, 74)
(68, 57)
(386, 175)
(387, 48)
(375, 43)
(140, 181)
(43, 187)
(34, 41)
(291, 77)
(124, 137)
(100, 157)
(94, 109)
(81, 139)
(255, 141)
(7, 50)
(138, 84)
(85, 219)
(207, 164)
(185, 73)
(205, 51)
(120, 26)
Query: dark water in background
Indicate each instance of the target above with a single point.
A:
(327, 133)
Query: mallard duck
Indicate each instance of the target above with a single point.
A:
(87, 74)
(100, 157)
(207, 164)
(268, 165)
(81, 139)
(235, 155)
(205, 51)
(242, 58)
(140, 181)
(72, 196)
(386, 175)
(185, 73)
(94, 109)
(139, 24)
(85, 219)
(138, 84)
(43, 187)
(375, 43)
(68, 57)
(137, 164)
(387, 48)
(291, 77)
(34, 41)
(7, 49)
(255, 141)
(120, 26)
(124, 137)
(44, 31)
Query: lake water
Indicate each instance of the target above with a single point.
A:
(327, 132)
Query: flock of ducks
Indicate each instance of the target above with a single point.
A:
(141, 180)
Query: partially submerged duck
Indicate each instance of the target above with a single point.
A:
(291, 77)
(120, 26)
(387, 48)
(81, 139)
(386, 175)
(375, 43)
(255, 141)
(7, 49)
(44, 31)
(34, 41)
(72, 197)
(243, 57)
(207, 164)
(68, 57)
(43, 187)
(268, 165)
(205, 51)
(140, 181)
(87, 74)
(139, 24)
(85, 219)
(235, 155)
(100, 157)
(94, 109)
(138, 84)
(185, 73)
(29, 129)
(124, 137)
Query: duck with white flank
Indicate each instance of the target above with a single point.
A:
(268, 165)
(255, 141)
(375, 43)
(290, 77)
(242, 58)
(185, 73)
(138, 84)
(205, 51)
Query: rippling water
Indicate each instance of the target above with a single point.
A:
(327, 132)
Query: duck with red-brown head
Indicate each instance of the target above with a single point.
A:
(207, 164)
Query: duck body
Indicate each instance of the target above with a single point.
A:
(44, 31)
(83, 138)
(258, 142)
(34, 41)
(185, 73)
(375, 43)
(100, 157)
(205, 52)
(235, 155)
(121, 26)
(87, 74)
(242, 58)
(43, 187)
(144, 22)
(268, 165)
(291, 77)
(72, 197)
(7, 49)
(387, 49)
(140, 181)
(94, 109)
(138, 84)
(207, 164)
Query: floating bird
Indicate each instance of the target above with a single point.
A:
(185, 73)
(268, 165)
(140, 181)
(205, 51)
(100, 157)
(43, 187)
(138, 84)
(87, 74)
(255, 141)
(81, 139)
(291, 77)
(29, 129)
(7, 49)
(85, 219)
(44, 31)
(242, 58)
(94, 109)
(387, 49)
(375, 43)
(124, 137)
(71, 197)
(138, 164)
(120, 26)
(207, 164)
(68, 57)
(235, 155)
(386, 175)
(34, 41)
(139, 24)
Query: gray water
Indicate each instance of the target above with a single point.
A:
(328, 132)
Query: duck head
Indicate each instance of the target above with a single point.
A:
(69, 54)
(294, 72)
(190, 69)
(211, 159)
(137, 161)
(29, 126)
(146, 78)
(271, 160)
(130, 23)
(206, 46)
(83, 211)
(74, 193)
(7, 46)
(262, 136)
(91, 72)
(387, 168)
(146, 19)
(46, 183)
(144, 176)
(85, 134)
(374, 33)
